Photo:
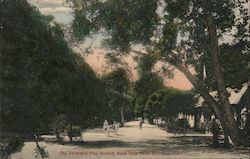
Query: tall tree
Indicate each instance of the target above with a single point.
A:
(118, 84)
(148, 83)
(41, 77)
(183, 35)
(143, 88)
(206, 23)
(168, 102)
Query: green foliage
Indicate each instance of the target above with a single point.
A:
(143, 88)
(148, 83)
(9, 145)
(235, 66)
(58, 123)
(181, 37)
(117, 84)
(167, 72)
(41, 77)
(183, 102)
(190, 9)
(117, 80)
(182, 27)
(188, 19)
(75, 132)
(15, 144)
(113, 58)
(146, 64)
(126, 21)
(156, 103)
(169, 38)
(81, 26)
(168, 103)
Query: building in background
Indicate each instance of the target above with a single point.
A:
(239, 100)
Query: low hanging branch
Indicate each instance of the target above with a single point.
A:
(173, 59)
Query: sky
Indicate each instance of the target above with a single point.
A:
(63, 14)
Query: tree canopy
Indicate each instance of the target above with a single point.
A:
(186, 33)
(118, 87)
(41, 77)
(168, 102)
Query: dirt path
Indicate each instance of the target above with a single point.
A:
(149, 143)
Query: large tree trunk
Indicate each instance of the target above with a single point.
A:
(175, 61)
(214, 105)
(205, 94)
(223, 95)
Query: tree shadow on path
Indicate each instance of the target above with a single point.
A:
(176, 144)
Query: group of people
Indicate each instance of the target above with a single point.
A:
(214, 128)
(115, 126)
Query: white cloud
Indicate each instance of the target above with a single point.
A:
(49, 10)
(43, 5)
(47, 1)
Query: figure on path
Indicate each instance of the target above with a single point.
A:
(114, 122)
(105, 125)
(215, 130)
(140, 124)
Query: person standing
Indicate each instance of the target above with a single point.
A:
(140, 124)
(216, 131)
(105, 125)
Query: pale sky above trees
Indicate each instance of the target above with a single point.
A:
(63, 15)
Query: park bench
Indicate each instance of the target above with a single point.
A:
(75, 134)
(40, 151)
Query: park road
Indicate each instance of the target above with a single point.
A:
(150, 142)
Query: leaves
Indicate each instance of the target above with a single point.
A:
(81, 26)
(117, 85)
(125, 21)
(169, 102)
(42, 76)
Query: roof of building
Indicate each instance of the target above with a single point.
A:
(235, 95)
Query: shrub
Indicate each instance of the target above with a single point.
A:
(10, 144)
